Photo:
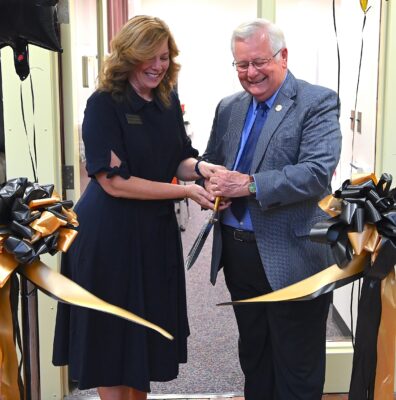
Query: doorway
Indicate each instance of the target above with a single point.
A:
(312, 57)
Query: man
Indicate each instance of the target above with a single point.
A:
(274, 181)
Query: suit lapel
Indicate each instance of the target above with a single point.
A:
(237, 120)
(278, 111)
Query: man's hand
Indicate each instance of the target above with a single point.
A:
(226, 184)
(225, 202)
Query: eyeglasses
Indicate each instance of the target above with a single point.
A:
(258, 63)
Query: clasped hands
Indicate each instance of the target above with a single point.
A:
(221, 182)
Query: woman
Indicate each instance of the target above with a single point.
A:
(128, 250)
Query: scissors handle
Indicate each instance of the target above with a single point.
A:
(216, 204)
(215, 213)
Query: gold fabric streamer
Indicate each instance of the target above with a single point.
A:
(365, 245)
(312, 284)
(7, 266)
(362, 243)
(51, 282)
(64, 289)
(56, 286)
(9, 389)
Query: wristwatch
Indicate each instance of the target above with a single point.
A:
(252, 186)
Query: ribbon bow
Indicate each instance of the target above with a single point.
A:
(362, 226)
(363, 218)
(34, 221)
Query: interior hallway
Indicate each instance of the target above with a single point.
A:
(213, 340)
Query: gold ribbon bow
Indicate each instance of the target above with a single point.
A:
(366, 245)
(51, 283)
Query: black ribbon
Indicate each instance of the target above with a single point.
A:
(361, 204)
(16, 217)
(365, 203)
(14, 302)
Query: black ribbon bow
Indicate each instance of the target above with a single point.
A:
(16, 217)
(363, 204)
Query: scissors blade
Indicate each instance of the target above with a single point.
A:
(201, 238)
(198, 244)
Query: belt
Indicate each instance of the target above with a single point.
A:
(239, 234)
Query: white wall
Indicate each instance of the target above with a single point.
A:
(309, 30)
(202, 31)
(311, 40)
(85, 45)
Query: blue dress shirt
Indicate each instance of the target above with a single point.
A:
(228, 217)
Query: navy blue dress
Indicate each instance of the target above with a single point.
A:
(127, 252)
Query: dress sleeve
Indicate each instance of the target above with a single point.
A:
(102, 134)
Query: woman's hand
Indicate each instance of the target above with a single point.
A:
(208, 169)
(200, 196)
(188, 169)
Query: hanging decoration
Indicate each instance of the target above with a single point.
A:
(24, 22)
(363, 5)
(35, 221)
(338, 60)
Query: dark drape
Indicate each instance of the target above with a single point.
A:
(117, 15)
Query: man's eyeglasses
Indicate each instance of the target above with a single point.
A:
(258, 63)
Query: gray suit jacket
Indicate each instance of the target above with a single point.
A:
(294, 161)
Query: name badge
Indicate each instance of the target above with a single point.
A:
(134, 119)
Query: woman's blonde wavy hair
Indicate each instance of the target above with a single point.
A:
(137, 42)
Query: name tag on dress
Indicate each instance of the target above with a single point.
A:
(134, 119)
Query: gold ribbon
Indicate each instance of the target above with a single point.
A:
(368, 241)
(313, 284)
(9, 389)
(58, 287)
(55, 198)
(8, 356)
(64, 289)
(8, 264)
(51, 282)
(365, 244)
(47, 224)
(65, 239)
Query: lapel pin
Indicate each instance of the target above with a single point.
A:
(278, 107)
